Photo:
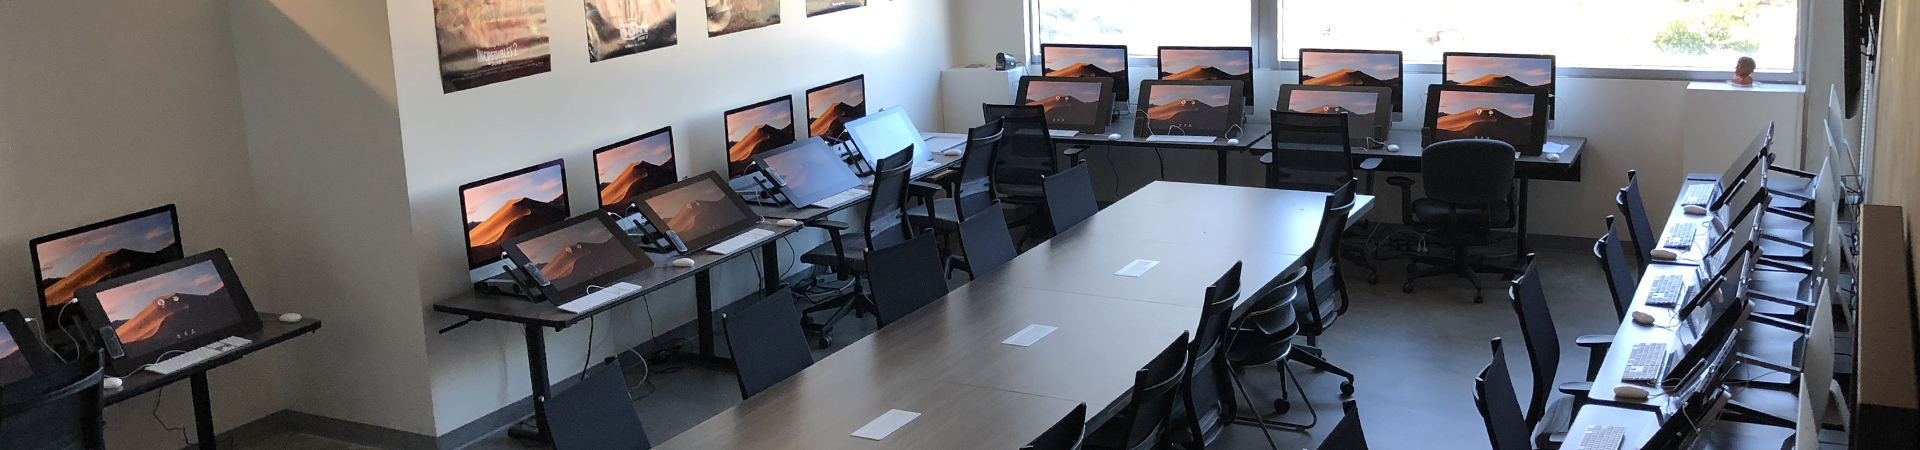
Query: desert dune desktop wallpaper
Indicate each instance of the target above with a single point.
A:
(1351, 69)
(756, 131)
(1205, 65)
(1363, 105)
(732, 16)
(510, 207)
(1499, 72)
(1074, 62)
(489, 41)
(618, 28)
(13, 364)
(829, 110)
(81, 260)
(696, 210)
(818, 7)
(150, 314)
(576, 254)
(1485, 115)
(1189, 108)
(1066, 102)
(634, 169)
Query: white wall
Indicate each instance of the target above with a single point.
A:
(113, 106)
(451, 139)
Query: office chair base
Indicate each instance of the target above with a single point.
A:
(1462, 265)
(856, 302)
(1280, 405)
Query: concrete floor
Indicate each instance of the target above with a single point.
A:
(1414, 357)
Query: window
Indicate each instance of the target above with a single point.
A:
(1144, 25)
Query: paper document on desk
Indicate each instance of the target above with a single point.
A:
(1553, 147)
(1030, 335)
(1063, 133)
(1137, 268)
(885, 425)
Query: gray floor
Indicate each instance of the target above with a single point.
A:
(1414, 357)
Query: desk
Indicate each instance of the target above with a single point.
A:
(1124, 128)
(271, 333)
(946, 360)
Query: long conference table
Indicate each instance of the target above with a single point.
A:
(947, 361)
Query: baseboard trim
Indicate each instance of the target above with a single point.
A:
(288, 421)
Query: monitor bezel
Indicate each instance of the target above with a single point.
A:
(850, 180)
(864, 110)
(1121, 84)
(52, 316)
(1400, 60)
(562, 296)
(39, 359)
(1160, 69)
(1553, 73)
(671, 147)
(726, 123)
(1103, 107)
(249, 322)
(467, 238)
(1357, 133)
(697, 243)
(1538, 129)
(1142, 128)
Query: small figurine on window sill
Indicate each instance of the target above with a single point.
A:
(1743, 72)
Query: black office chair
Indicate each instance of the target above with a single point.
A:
(846, 254)
(1547, 415)
(1141, 423)
(906, 277)
(1209, 392)
(58, 410)
(1070, 198)
(971, 191)
(1327, 283)
(1346, 435)
(1067, 434)
(597, 412)
(1469, 187)
(766, 342)
(1314, 152)
(1026, 155)
(1499, 407)
(987, 242)
(1265, 336)
(1613, 264)
(1639, 226)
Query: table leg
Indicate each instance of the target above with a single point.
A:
(1220, 176)
(1520, 244)
(770, 267)
(203, 412)
(703, 311)
(542, 387)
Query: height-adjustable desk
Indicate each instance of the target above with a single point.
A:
(1124, 128)
(272, 332)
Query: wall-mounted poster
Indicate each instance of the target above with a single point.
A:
(732, 16)
(818, 7)
(484, 42)
(617, 28)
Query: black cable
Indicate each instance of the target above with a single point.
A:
(159, 397)
(588, 360)
(1163, 162)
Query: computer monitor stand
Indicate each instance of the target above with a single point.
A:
(515, 282)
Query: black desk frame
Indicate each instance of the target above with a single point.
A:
(272, 333)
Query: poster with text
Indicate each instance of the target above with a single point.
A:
(726, 17)
(484, 42)
(617, 28)
(818, 7)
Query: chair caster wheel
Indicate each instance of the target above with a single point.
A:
(1346, 388)
(826, 341)
(1281, 406)
(1407, 288)
(1373, 278)
(1479, 298)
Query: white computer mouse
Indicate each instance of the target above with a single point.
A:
(683, 262)
(1393, 148)
(789, 223)
(1696, 210)
(951, 152)
(1644, 319)
(1234, 142)
(291, 318)
(111, 384)
(1553, 156)
(1113, 137)
(1664, 254)
(1630, 393)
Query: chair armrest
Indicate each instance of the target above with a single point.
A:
(1597, 346)
(1577, 389)
(1074, 150)
(1402, 182)
(1372, 164)
(1406, 197)
(922, 188)
(830, 225)
(1600, 341)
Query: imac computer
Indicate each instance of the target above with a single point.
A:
(890, 131)
(755, 129)
(632, 167)
(65, 262)
(168, 309)
(808, 171)
(1500, 70)
(1367, 68)
(1209, 64)
(1511, 115)
(831, 106)
(1082, 61)
(1370, 108)
(1188, 108)
(1078, 104)
(566, 259)
(22, 355)
(697, 212)
(505, 206)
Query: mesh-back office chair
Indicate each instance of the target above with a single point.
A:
(597, 412)
(1067, 434)
(1499, 408)
(1069, 198)
(1265, 336)
(1639, 226)
(846, 254)
(987, 242)
(1141, 424)
(971, 191)
(1313, 152)
(1209, 391)
(767, 343)
(60, 410)
(1346, 435)
(906, 277)
(1613, 264)
(1469, 187)
(1025, 157)
(1327, 283)
(1547, 415)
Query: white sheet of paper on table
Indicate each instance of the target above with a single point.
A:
(1027, 337)
(1554, 147)
(885, 425)
(1137, 268)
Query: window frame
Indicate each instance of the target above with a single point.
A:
(1266, 50)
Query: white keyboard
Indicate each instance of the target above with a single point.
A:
(941, 144)
(1698, 195)
(198, 355)
(840, 199)
(1184, 139)
(600, 297)
(1063, 133)
(1603, 437)
(922, 167)
(1646, 362)
(748, 238)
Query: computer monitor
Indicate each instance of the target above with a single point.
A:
(809, 171)
(1188, 108)
(65, 262)
(699, 211)
(1503, 114)
(178, 306)
(1375, 68)
(633, 167)
(886, 132)
(1502, 70)
(831, 106)
(755, 129)
(568, 258)
(1080, 61)
(1742, 167)
(22, 355)
(1209, 63)
(504, 206)
(1370, 108)
(1078, 104)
